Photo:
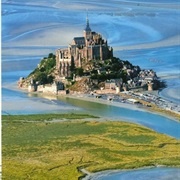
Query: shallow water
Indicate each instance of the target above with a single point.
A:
(163, 60)
(156, 122)
(162, 173)
(16, 102)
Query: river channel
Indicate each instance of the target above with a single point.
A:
(160, 173)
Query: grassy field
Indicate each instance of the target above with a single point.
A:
(37, 147)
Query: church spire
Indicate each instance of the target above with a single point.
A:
(87, 23)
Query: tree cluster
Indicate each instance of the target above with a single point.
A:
(43, 74)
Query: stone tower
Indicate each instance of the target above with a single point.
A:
(91, 46)
(87, 30)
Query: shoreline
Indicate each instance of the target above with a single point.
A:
(85, 97)
(90, 176)
(125, 105)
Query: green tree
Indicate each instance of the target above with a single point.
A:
(51, 55)
(79, 71)
(41, 77)
(50, 79)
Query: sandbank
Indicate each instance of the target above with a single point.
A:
(31, 104)
(135, 107)
(52, 100)
(85, 97)
(172, 41)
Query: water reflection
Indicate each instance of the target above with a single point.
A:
(156, 122)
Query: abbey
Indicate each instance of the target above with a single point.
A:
(82, 49)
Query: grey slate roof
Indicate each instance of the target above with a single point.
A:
(79, 40)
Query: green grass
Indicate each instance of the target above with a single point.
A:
(137, 139)
(45, 117)
(33, 148)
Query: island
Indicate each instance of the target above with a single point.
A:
(87, 66)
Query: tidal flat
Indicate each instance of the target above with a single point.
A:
(37, 147)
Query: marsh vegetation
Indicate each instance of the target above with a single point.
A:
(37, 147)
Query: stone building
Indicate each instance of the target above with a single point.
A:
(82, 49)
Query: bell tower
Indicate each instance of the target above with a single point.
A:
(87, 30)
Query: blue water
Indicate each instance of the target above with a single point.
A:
(164, 60)
(156, 122)
(162, 173)
(173, 86)
(154, 1)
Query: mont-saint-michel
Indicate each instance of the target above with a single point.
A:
(91, 57)
(89, 104)
(88, 66)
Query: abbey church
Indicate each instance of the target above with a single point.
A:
(91, 46)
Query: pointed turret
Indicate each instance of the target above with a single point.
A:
(87, 30)
(87, 25)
